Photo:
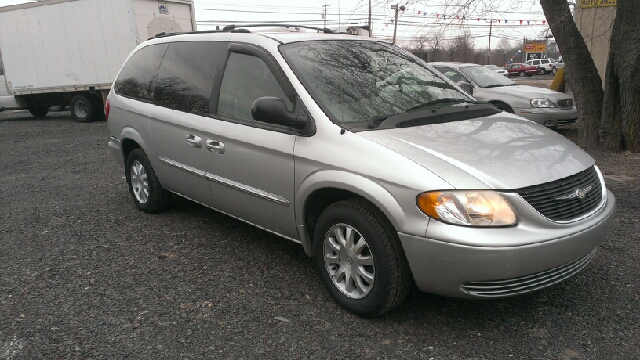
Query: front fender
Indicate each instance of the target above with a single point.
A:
(354, 183)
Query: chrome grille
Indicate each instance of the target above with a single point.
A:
(566, 199)
(527, 283)
(566, 103)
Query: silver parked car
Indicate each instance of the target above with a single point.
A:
(544, 106)
(384, 170)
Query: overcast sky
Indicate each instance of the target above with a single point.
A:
(417, 20)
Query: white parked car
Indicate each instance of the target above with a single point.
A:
(544, 65)
(499, 70)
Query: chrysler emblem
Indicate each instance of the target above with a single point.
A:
(578, 193)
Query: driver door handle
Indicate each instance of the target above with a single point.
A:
(193, 140)
(215, 146)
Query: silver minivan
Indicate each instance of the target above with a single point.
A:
(385, 171)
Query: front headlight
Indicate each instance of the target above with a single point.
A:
(542, 103)
(468, 207)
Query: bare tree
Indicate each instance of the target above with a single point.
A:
(461, 48)
(610, 118)
(620, 124)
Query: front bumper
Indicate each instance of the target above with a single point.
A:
(448, 266)
(550, 117)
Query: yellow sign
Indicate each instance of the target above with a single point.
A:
(538, 46)
(596, 3)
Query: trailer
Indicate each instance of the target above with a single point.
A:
(68, 52)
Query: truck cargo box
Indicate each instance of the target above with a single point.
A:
(63, 46)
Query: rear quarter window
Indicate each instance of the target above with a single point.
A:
(137, 78)
(186, 75)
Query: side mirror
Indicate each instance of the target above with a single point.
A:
(272, 110)
(468, 88)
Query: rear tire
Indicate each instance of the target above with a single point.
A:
(39, 111)
(145, 189)
(359, 258)
(84, 109)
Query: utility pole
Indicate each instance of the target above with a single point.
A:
(395, 27)
(324, 15)
(489, 55)
(370, 29)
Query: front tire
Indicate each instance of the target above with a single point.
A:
(84, 109)
(359, 258)
(145, 189)
(522, 74)
(39, 111)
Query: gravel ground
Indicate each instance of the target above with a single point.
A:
(84, 275)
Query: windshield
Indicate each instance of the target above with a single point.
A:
(354, 81)
(485, 77)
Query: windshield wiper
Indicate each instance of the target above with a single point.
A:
(442, 101)
(497, 85)
(377, 120)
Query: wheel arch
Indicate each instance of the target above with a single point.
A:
(131, 140)
(320, 190)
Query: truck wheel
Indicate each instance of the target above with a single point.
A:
(147, 193)
(83, 109)
(359, 258)
(39, 111)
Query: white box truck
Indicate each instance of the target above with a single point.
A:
(68, 52)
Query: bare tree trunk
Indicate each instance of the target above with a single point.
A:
(581, 71)
(620, 129)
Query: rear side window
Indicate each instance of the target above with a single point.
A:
(137, 78)
(186, 75)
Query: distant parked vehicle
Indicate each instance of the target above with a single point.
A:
(521, 70)
(498, 69)
(559, 64)
(544, 106)
(67, 52)
(544, 65)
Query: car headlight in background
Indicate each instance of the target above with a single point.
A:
(468, 207)
(542, 103)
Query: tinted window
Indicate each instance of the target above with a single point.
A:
(247, 78)
(137, 78)
(185, 77)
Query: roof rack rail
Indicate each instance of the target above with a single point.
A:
(232, 27)
(241, 28)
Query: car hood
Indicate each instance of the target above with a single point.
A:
(525, 91)
(502, 151)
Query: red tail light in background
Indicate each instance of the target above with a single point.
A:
(107, 107)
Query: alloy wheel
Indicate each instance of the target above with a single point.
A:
(349, 261)
(139, 182)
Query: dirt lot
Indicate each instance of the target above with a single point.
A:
(84, 275)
